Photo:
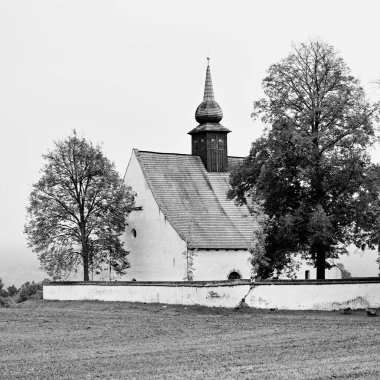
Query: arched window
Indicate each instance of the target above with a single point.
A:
(234, 276)
(133, 232)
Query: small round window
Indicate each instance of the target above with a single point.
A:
(134, 233)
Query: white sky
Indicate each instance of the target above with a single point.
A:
(131, 74)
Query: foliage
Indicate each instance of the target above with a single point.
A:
(190, 252)
(311, 168)
(189, 260)
(30, 290)
(4, 299)
(78, 210)
(3, 292)
(259, 261)
(12, 290)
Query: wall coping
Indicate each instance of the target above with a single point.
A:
(216, 283)
(152, 283)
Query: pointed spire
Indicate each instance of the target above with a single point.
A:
(209, 110)
(209, 91)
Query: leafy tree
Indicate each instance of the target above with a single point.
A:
(29, 290)
(12, 291)
(311, 168)
(78, 210)
(3, 292)
(4, 299)
(259, 260)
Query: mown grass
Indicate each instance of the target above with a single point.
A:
(102, 340)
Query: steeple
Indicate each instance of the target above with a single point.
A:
(209, 138)
(209, 110)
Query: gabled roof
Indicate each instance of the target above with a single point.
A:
(194, 201)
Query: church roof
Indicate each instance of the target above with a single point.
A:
(194, 201)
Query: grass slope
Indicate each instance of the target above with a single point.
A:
(101, 340)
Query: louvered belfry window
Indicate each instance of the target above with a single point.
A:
(212, 149)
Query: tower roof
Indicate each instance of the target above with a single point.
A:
(209, 110)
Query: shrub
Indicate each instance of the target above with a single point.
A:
(29, 291)
(5, 301)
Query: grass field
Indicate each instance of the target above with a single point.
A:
(101, 340)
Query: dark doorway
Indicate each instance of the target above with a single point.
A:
(234, 276)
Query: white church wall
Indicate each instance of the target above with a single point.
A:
(218, 264)
(296, 295)
(157, 251)
(212, 296)
(309, 296)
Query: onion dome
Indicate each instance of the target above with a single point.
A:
(209, 110)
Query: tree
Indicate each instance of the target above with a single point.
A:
(78, 210)
(259, 261)
(3, 292)
(28, 291)
(311, 168)
(12, 290)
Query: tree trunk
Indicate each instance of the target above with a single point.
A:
(321, 263)
(85, 265)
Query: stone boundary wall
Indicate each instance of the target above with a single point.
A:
(280, 294)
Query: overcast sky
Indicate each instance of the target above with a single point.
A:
(130, 74)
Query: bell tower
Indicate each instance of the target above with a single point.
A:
(209, 138)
